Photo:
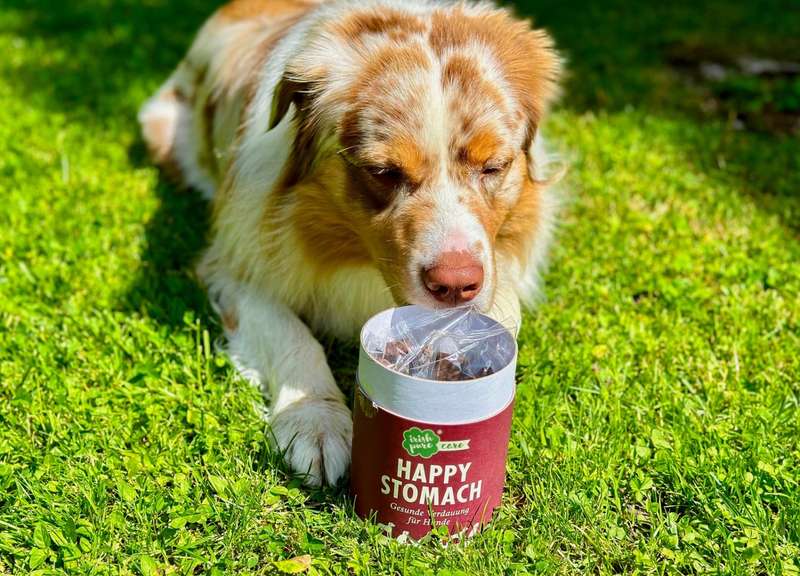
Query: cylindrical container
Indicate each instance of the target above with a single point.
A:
(428, 452)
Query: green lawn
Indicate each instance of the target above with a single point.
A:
(657, 429)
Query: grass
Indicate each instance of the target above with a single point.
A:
(657, 425)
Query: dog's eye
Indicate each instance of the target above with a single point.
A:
(387, 175)
(494, 169)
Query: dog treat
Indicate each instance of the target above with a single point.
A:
(399, 354)
(448, 348)
(393, 352)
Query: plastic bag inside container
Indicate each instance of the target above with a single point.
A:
(447, 345)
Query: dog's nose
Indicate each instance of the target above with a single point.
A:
(456, 278)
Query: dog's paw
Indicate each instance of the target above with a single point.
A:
(314, 436)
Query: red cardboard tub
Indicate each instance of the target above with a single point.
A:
(427, 452)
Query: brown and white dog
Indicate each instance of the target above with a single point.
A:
(358, 154)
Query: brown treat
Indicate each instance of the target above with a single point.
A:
(442, 367)
(485, 371)
(446, 370)
(393, 352)
(475, 369)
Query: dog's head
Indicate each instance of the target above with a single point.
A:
(419, 126)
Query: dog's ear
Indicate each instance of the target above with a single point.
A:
(306, 149)
(534, 73)
(537, 76)
(288, 91)
(532, 68)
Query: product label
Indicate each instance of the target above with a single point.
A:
(413, 476)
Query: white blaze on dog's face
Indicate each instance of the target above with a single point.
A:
(431, 122)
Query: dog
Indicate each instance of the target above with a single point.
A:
(358, 154)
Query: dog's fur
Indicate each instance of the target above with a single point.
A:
(345, 145)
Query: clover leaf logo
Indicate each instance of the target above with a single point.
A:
(423, 443)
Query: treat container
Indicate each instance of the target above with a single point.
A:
(426, 452)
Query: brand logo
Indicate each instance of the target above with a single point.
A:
(426, 443)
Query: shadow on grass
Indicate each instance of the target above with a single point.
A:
(765, 169)
(100, 55)
(165, 287)
(619, 56)
(618, 51)
(97, 60)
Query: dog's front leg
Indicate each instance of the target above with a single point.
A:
(309, 419)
